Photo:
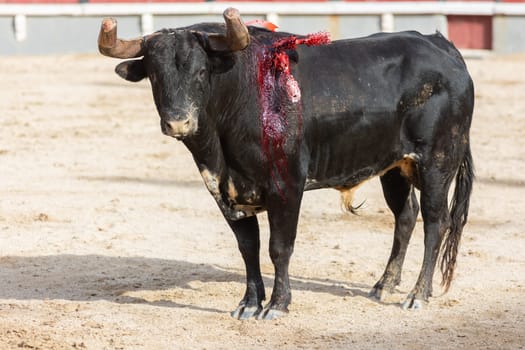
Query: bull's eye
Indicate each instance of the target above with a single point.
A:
(202, 74)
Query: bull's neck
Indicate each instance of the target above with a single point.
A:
(233, 94)
(229, 115)
(206, 148)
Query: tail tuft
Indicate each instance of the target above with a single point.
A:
(458, 218)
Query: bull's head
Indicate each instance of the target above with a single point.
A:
(179, 64)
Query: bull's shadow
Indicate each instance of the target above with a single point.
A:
(98, 277)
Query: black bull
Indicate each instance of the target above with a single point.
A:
(398, 106)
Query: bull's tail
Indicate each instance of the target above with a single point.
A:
(458, 217)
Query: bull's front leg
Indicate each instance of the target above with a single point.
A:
(247, 233)
(283, 214)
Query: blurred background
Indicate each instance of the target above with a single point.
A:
(71, 26)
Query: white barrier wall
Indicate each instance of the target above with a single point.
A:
(73, 28)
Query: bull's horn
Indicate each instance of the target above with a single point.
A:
(110, 45)
(237, 34)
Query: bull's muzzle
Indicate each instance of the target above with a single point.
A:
(179, 128)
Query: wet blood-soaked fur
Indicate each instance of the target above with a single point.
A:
(278, 93)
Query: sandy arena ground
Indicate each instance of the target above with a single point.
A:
(109, 239)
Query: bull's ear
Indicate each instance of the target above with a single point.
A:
(212, 42)
(221, 58)
(132, 70)
(215, 42)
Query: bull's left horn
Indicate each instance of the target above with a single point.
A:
(110, 45)
(237, 34)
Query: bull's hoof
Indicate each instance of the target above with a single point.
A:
(244, 312)
(378, 293)
(411, 303)
(270, 313)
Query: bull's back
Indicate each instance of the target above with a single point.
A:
(372, 73)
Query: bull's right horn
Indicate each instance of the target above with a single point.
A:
(110, 45)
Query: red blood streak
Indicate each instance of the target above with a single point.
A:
(279, 92)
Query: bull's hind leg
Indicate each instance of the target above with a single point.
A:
(247, 234)
(401, 199)
(435, 183)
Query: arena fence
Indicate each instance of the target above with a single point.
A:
(67, 26)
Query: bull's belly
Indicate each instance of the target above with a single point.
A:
(348, 185)
(348, 180)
